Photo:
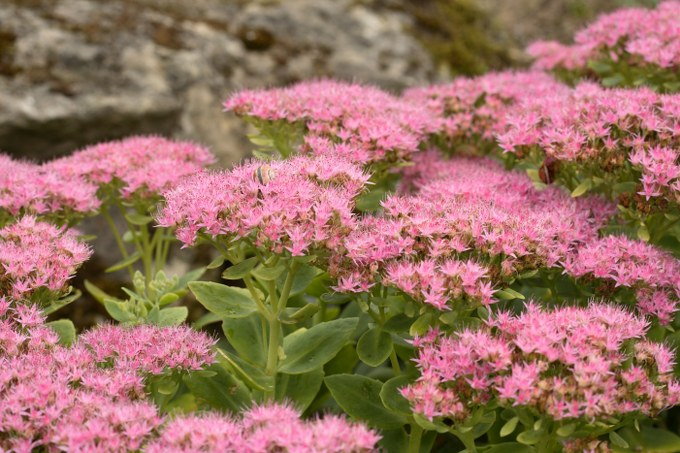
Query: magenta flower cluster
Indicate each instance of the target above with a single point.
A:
(604, 129)
(27, 188)
(359, 123)
(261, 429)
(469, 224)
(470, 110)
(35, 255)
(566, 363)
(298, 205)
(638, 36)
(653, 273)
(87, 397)
(139, 166)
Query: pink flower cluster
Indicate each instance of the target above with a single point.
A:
(370, 125)
(568, 363)
(138, 166)
(263, 429)
(27, 188)
(470, 111)
(297, 205)
(637, 36)
(604, 131)
(653, 273)
(471, 223)
(85, 397)
(35, 255)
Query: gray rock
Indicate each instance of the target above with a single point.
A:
(75, 72)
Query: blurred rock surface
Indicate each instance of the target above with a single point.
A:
(74, 72)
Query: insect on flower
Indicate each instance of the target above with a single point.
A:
(264, 174)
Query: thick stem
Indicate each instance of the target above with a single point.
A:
(277, 305)
(146, 253)
(119, 240)
(414, 438)
(467, 440)
(394, 360)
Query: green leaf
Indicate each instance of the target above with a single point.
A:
(510, 447)
(359, 396)
(529, 437)
(394, 441)
(223, 300)
(246, 337)
(303, 277)
(508, 294)
(222, 391)
(124, 263)
(421, 325)
(618, 440)
(138, 219)
(61, 303)
(566, 430)
(582, 188)
(398, 324)
(392, 398)
(509, 427)
(167, 299)
(118, 311)
(65, 329)
(300, 389)
(95, 292)
(204, 320)
(374, 346)
(293, 315)
(343, 362)
(267, 274)
(483, 425)
(172, 316)
(432, 425)
(652, 440)
(612, 81)
(643, 233)
(217, 262)
(253, 376)
(310, 349)
(240, 270)
(188, 277)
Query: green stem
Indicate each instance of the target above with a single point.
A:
(394, 360)
(146, 253)
(250, 285)
(277, 305)
(467, 440)
(414, 438)
(119, 240)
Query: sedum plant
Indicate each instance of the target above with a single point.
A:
(487, 265)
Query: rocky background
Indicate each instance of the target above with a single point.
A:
(74, 72)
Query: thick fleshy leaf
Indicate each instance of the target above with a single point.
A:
(359, 396)
(223, 300)
(306, 350)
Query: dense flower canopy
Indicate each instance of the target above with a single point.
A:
(35, 254)
(469, 224)
(263, 429)
(27, 188)
(566, 363)
(295, 205)
(142, 166)
(371, 125)
(639, 35)
(653, 273)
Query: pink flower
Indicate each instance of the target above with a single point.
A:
(305, 204)
(136, 166)
(35, 254)
(567, 363)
